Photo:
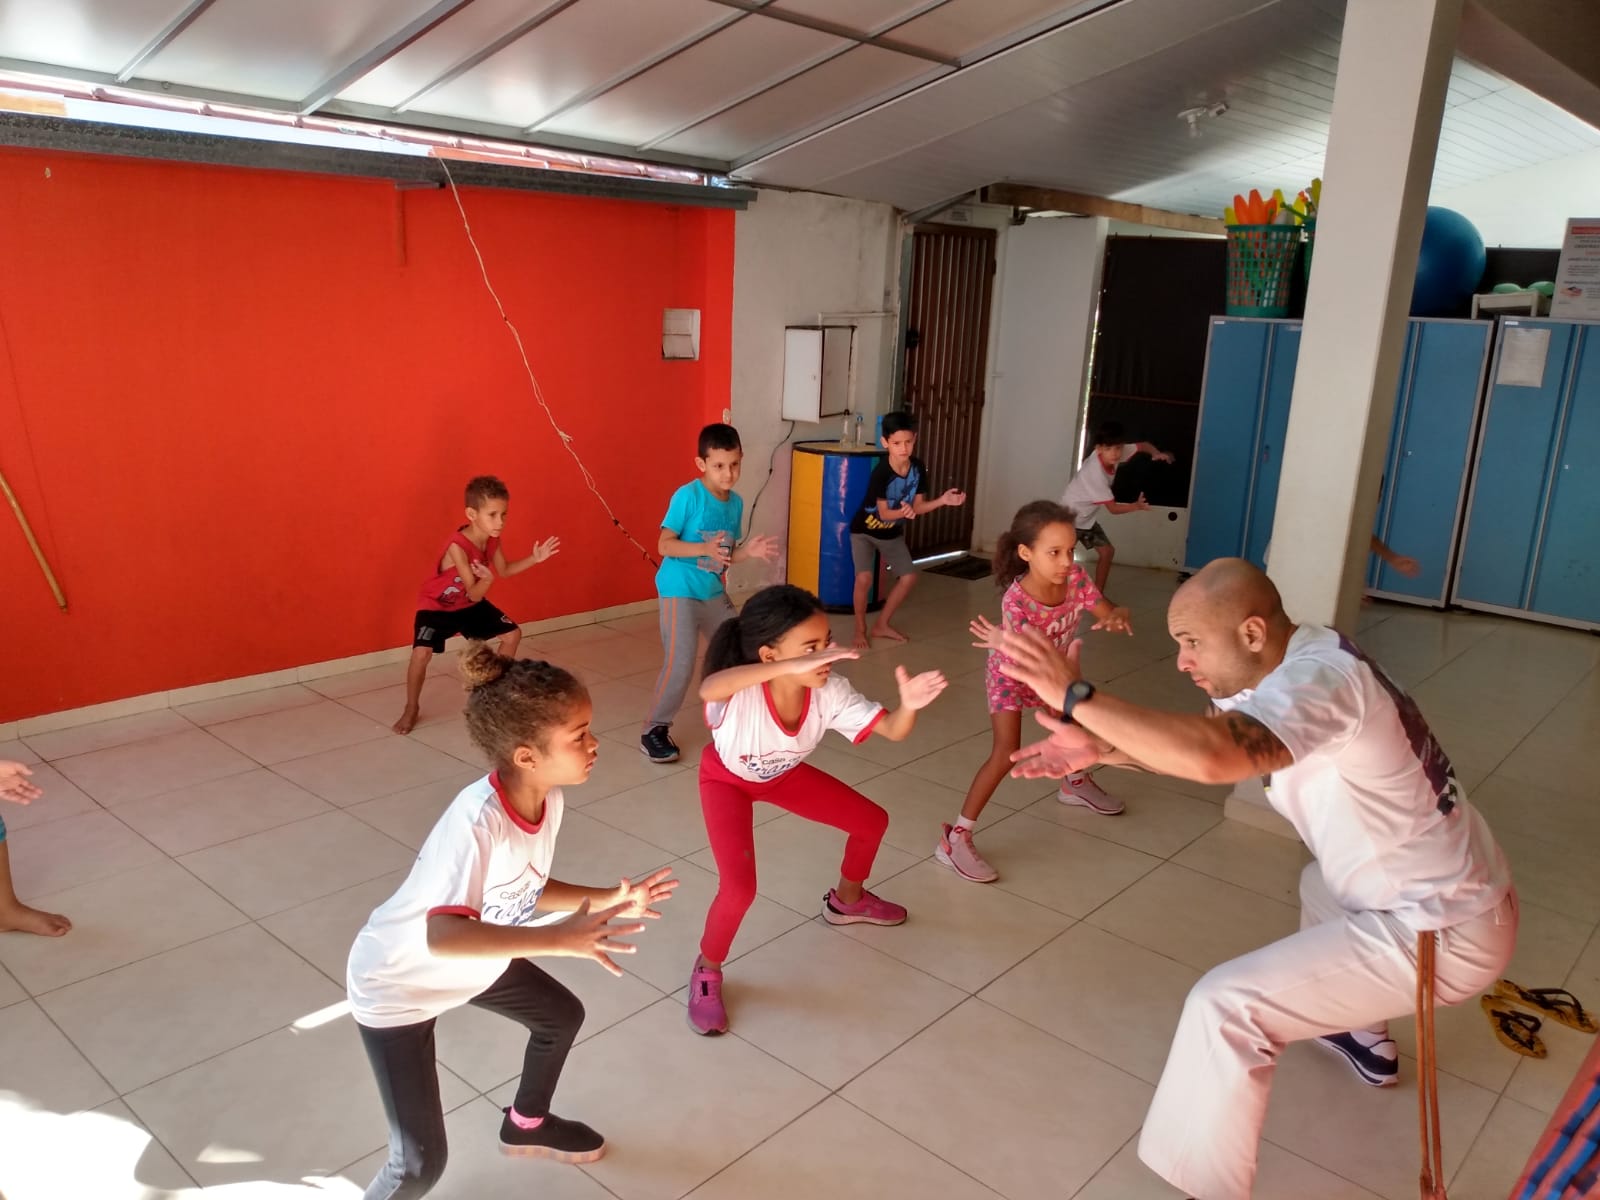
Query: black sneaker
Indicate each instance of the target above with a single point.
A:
(1377, 1065)
(555, 1138)
(657, 745)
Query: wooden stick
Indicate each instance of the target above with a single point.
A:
(27, 532)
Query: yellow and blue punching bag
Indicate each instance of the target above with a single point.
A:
(827, 487)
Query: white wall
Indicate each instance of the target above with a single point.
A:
(1047, 292)
(798, 255)
(1529, 207)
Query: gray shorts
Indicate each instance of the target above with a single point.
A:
(1093, 537)
(866, 549)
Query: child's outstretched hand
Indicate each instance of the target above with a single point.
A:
(919, 691)
(818, 658)
(987, 633)
(590, 935)
(636, 896)
(954, 497)
(1407, 566)
(1163, 457)
(1141, 503)
(479, 571)
(14, 785)
(548, 548)
(719, 551)
(1118, 620)
(761, 546)
(905, 512)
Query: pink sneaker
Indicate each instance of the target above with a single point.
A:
(956, 851)
(707, 1016)
(869, 910)
(1086, 793)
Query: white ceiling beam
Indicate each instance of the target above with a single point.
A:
(379, 54)
(190, 14)
(483, 54)
(760, 8)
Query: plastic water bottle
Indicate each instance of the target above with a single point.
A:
(859, 442)
(846, 429)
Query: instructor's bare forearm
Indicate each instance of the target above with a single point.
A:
(1199, 748)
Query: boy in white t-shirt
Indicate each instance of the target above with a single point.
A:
(1400, 855)
(770, 698)
(1090, 490)
(478, 904)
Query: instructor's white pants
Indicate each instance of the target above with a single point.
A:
(1343, 971)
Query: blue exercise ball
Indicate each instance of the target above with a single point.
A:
(1450, 265)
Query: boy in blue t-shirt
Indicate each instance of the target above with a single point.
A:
(699, 540)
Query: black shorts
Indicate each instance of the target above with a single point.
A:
(480, 622)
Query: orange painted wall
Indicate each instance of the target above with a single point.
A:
(239, 408)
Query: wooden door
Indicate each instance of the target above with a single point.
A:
(947, 342)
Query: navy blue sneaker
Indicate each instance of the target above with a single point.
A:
(1377, 1065)
(657, 745)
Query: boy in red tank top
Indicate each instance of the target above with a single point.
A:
(452, 598)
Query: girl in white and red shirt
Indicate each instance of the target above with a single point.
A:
(478, 905)
(770, 697)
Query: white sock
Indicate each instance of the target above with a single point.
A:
(1368, 1038)
(966, 823)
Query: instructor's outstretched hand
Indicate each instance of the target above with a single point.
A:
(1068, 749)
(1036, 662)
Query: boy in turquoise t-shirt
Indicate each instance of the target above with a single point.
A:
(699, 540)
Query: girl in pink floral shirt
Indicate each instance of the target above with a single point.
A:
(1044, 588)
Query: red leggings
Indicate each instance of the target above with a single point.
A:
(729, 806)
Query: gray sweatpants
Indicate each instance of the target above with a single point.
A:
(682, 622)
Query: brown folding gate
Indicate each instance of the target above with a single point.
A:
(947, 321)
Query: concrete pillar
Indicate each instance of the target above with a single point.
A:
(1394, 68)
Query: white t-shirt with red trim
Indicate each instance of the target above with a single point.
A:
(482, 860)
(1370, 791)
(1090, 488)
(754, 743)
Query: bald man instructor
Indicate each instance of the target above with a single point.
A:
(1399, 851)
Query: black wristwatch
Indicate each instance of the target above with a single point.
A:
(1077, 693)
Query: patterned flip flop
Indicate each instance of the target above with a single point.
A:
(1558, 1004)
(1516, 1031)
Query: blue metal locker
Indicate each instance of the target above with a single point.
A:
(1512, 479)
(1533, 541)
(1233, 394)
(1282, 356)
(1425, 476)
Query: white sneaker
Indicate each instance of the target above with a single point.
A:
(956, 851)
(1086, 793)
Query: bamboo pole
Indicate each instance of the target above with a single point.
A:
(27, 532)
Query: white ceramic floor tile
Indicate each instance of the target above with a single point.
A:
(1279, 1176)
(1321, 1112)
(1500, 1153)
(954, 766)
(618, 705)
(665, 1137)
(269, 872)
(299, 732)
(960, 932)
(667, 949)
(10, 990)
(85, 739)
(1030, 1136)
(17, 751)
(478, 1170)
(409, 816)
(797, 861)
(621, 767)
(664, 812)
(592, 853)
(1560, 817)
(297, 1104)
(1249, 858)
(369, 770)
(117, 921)
(836, 1150)
(42, 1071)
(248, 704)
(1106, 996)
(150, 768)
(62, 798)
(1058, 868)
(828, 1006)
(45, 1158)
(370, 679)
(451, 737)
(163, 1013)
(323, 931)
(916, 808)
(72, 851)
(1552, 875)
(442, 702)
(1195, 919)
(1157, 821)
(209, 814)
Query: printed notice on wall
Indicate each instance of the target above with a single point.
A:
(1522, 355)
(1577, 295)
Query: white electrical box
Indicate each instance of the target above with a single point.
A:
(680, 333)
(818, 371)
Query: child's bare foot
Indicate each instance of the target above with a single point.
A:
(20, 918)
(407, 721)
(863, 642)
(889, 632)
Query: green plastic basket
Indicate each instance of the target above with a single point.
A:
(1310, 228)
(1260, 269)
